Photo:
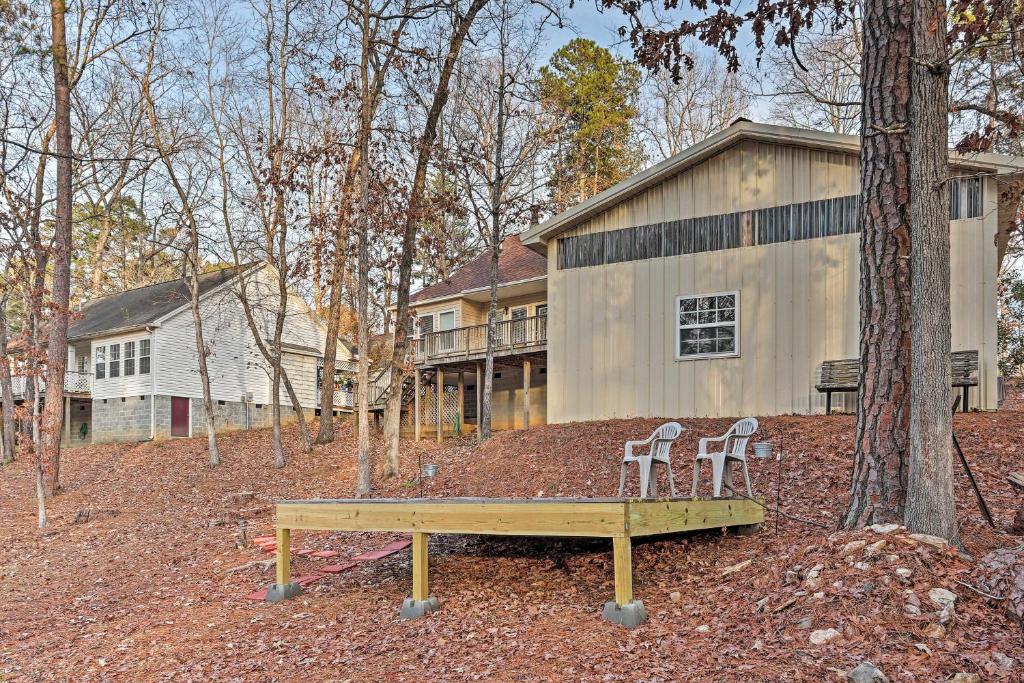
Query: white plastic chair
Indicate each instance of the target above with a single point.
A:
(661, 443)
(733, 448)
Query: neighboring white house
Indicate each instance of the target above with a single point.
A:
(133, 370)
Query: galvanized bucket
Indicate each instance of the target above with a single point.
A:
(763, 449)
(429, 471)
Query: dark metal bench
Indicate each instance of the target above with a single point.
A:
(843, 376)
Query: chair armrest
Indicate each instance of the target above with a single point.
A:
(702, 448)
(630, 444)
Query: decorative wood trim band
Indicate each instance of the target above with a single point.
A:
(791, 222)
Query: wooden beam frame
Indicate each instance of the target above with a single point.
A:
(284, 555)
(420, 567)
(617, 518)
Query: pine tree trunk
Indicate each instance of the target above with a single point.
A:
(931, 505)
(878, 490)
(60, 256)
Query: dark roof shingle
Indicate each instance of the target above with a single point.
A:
(516, 262)
(144, 305)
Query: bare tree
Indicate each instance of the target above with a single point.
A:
(60, 256)
(147, 80)
(462, 21)
(502, 137)
(817, 84)
(380, 33)
(6, 386)
(678, 113)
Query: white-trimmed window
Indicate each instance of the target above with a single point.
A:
(707, 325)
(114, 363)
(143, 356)
(100, 356)
(129, 359)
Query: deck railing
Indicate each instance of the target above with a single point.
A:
(74, 383)
(511, 335)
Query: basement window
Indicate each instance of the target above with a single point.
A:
(706, 325)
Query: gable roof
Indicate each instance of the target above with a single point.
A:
(740, 130)
(139, 307)
(515, 264)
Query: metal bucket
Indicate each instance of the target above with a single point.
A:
(763, 449)
(429, 471)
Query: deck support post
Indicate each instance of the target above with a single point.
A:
(440, 404)
(479, 392)
(283, 588)
(420, 604)
(416, 404)
(526, 394)
(624, 609)
(462, 400)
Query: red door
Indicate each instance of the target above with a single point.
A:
(179, 416)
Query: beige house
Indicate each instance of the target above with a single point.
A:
(717, 282)
(450, 333)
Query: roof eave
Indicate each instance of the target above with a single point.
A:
(461, 294)
(113, 332)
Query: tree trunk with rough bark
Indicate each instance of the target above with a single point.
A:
(202, 352)
(364, 461)
(9, 449)
(931, 504)
(878, 489)
(393, 412)
(496, 194)
(60, 257)
(326, 431)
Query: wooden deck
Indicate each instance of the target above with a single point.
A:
(617, 518)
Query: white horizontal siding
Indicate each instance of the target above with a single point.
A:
(116, 387)
(301, 371)
(235, 363)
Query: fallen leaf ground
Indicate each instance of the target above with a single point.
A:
(131, 581)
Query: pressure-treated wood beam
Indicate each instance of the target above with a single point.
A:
(420, 567)
(532, 518)
(622, 549)
(284, 555)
